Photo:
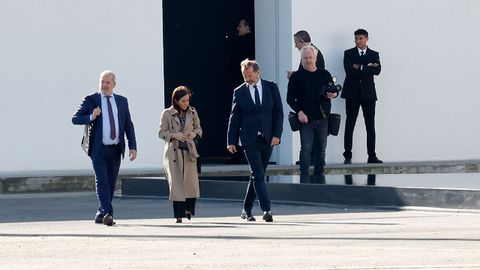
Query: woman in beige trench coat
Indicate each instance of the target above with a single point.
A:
(179, 125)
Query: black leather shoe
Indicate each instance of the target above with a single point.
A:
(347, 161)
(267, 216)
(98, 219)
(248, 217)
(108, 220)
(188, 216)
(374, 160)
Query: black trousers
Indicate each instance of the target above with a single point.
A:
(352, 108)
(257, 156)
(179, 207)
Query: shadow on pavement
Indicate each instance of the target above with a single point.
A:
(82, 206)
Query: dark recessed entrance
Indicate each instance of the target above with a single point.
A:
(198, 37)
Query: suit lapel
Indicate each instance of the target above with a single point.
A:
(356, 56)
(247, 95)
(264, 92)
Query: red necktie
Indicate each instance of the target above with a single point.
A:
(113, 134)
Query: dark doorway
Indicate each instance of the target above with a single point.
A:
(198, 38)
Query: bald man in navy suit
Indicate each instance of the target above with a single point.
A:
(109, 116)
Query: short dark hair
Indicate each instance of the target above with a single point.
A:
(247, 63)
(178, 93)
(303, 36)
(362, 32)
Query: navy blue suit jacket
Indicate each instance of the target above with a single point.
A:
(245, 115)
(125, 125)
(359, 83)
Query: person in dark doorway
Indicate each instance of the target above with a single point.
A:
(257, 120)
(360, 63)
(244, 43)
(243, 48)
(302, 39)
(110, 121)
(308, 97)
(179, 126)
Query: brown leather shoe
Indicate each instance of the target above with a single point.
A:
(108, 220)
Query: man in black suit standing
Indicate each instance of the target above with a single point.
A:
(257, 120)
(361, 63)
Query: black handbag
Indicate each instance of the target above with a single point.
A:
(293, 120)
(334, 123)
(184, 145)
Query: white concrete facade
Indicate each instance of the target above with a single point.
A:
(427, 91)
(53, 51)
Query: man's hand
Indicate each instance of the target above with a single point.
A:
(356, 66)
(96, 112)
(180, 136)
(331, 95)
(132, 154)
(275, 141)
(302, 117)
(231, 148)
(289, 74)
(372, 65)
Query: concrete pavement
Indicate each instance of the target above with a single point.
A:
(56, 231)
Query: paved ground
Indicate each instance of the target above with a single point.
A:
(56, 231)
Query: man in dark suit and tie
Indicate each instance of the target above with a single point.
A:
(257, 119)
(109, 116)
(361, 63)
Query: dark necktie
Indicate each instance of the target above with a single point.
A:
(362, 59)
(113, 134)
(257, 97)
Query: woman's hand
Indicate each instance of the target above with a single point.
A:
(191, 135)
(179, 136)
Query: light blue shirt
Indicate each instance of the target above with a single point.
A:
(106, 121)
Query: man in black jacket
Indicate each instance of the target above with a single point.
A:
(308, 97)
(302, 39)
(361, 63)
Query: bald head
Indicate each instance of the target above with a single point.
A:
(107, 82)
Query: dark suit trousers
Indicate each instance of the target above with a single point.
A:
(352, 107)
(106, 166)
(258, 156)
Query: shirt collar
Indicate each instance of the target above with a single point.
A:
(102, 95)
(360, 50)
(258, 84)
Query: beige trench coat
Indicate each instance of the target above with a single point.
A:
(181, 171)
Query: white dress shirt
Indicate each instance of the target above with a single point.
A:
(252, 90)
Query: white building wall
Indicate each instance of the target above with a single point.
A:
(273, 24)
(428, 92)
(52, 53)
